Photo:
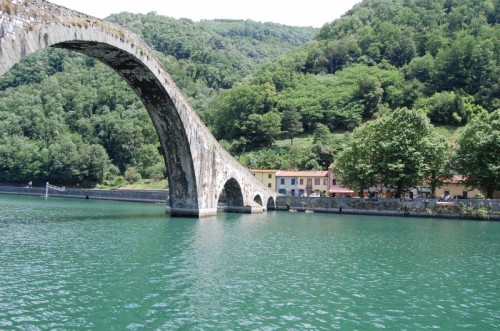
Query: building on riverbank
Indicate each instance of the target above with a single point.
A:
(323, 183)
(266, 177)
(302, 183)
(455, 187)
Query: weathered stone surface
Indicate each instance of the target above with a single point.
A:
(391, 207)
(198, 167)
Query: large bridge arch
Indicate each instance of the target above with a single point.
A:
(196, 164)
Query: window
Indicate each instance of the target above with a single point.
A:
(293, 193)
(293, 182)
(282, 191)
(464, 194)
(282, 181)
(334, 181)
(269, 176)
(268, 184)
(325, 181)
(301, 181)
(316, 181)
(446, 193)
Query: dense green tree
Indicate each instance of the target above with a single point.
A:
(452, 64)
(421, 68)
(324, 154)
(439, 162)
(321, 134)
(21, 159)
(261, 130)
(398, 46)
(234, 108)
(444, 108)
(339, 101)
(369, 92)
(478, 155)
(353, 165)
(291, 123)
(399, 151)
(272, 158)
(95, 165)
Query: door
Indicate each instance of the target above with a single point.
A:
(309, 185)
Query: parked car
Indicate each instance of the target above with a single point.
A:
(315, 195)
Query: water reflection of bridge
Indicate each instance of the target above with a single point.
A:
(198, 168)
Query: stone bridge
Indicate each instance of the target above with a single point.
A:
(198, 168)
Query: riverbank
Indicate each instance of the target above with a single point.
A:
(150, 196)
(427, 208)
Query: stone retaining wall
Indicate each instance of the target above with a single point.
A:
(467, 208)
(154, 196)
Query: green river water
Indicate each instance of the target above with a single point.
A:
(68, 264)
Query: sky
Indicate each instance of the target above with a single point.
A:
(289, 12)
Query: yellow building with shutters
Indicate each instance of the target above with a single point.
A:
(266, 177)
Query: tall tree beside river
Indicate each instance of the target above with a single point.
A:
(478, 155)
(399, 150)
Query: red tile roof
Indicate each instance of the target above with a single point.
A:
(262, 170)
(302, 173)
(456, 179)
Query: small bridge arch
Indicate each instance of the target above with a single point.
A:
(196, 164)
(233, 194)
(271, 203)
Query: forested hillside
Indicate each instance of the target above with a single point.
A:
(439, 56)
(68, 119)
(208, 56)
